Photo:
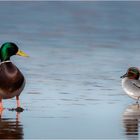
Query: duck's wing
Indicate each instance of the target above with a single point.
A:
(131, 87)
(136, 83)
(11, 80)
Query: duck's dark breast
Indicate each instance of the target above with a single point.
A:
(11, 80)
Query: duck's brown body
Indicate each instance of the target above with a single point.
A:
(12, 81)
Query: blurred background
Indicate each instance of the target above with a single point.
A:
(78, 51)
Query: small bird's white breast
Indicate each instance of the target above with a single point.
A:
(130, 88)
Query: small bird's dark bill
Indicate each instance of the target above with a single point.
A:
(125, 75)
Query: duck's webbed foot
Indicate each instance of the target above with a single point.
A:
(19, 109)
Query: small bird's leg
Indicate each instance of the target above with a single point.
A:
(18, 109)
(1, 106)
(137, 102)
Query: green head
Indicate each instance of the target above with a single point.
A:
(9, 49)
(132, 73)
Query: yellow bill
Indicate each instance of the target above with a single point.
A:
(21, 53)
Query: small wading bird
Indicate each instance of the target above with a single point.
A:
(12, 80)
(131, 83)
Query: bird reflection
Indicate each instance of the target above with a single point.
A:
(131, 119)
(10, 128)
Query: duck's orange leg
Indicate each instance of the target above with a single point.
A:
(18, 102)
(1, 105)
(18, 109)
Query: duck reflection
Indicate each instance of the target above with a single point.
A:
(11, 128)
(131, 119)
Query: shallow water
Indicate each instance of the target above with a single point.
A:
(78, 51)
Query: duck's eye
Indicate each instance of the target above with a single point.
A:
(131, 74)
(11, 51)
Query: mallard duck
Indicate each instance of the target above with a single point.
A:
(12, 80)
(131, 83)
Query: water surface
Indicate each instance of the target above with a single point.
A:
(78, 51)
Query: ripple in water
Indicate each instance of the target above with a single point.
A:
(131, 119)
(11, 128)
